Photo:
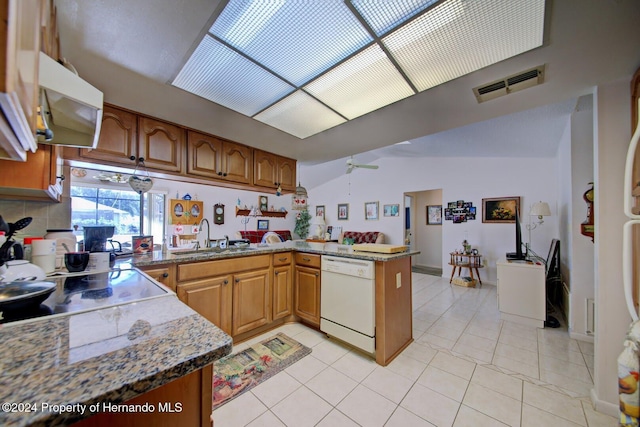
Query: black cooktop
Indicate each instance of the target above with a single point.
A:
(85, 292)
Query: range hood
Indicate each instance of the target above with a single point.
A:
(70, 107)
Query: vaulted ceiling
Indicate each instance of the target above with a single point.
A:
(133, 49)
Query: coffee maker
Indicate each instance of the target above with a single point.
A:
(95, 239)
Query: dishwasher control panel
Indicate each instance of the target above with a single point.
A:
(348, 266)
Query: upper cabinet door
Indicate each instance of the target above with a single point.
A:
(204, 155)
(238, 162)
(117, 142)
(287, 173)
(265, 171)
(160, 144)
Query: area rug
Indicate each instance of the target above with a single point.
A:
(240, 372)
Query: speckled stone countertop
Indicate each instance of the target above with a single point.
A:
(335, 249)
(106, 355)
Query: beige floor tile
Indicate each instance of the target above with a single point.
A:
(403, 418)
(561, 354)
(469, 417)
(240, 411)
(436, 341)
(553, 402)
(388, 384)
(454, 365)
(275, 388)
(430, 405)
(566, 369)
(306, 368)
(336, 418)
(310, 338)
(331, 385)
(515, 353)
(445, 332)
(355, 365)
(366, 407)
(530, 344)
(513, 365)
(420, 352)
(476, 354)
(498, 381)
(570, 386)
(586, 347)
(496, 405)
(482, 329)
(301, 408)
(534, 417)
(481, 343)
(329, 351)
(444, 383)
(265, 420)
(407, 366)
(597, 419)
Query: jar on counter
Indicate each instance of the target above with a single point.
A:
(26, 243)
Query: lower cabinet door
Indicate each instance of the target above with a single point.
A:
(307, 294)
(211, 298)
(282, 291)
(251, 300)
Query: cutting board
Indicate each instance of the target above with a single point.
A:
(380, 248)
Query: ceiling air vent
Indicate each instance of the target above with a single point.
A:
(510, 84)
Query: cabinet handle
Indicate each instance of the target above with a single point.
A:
(237, 280)
(282, 259)
(226, 282)
(140, 159)
(224, 174)
(220, 173)
(276, 273)
(306, 259)
(165, 275)
(317, 274)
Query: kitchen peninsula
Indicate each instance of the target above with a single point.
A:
(249, 291)
(154, 352)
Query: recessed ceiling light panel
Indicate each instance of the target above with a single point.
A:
(458, 37)
(300, 115)
(383, 16)
(221, 75)
(296, 39)
(362, 84)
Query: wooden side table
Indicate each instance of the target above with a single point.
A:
(470, 261)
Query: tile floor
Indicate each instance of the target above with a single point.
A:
(466, 367)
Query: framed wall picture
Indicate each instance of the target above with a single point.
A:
(391, 210)
(320, 211)
(434, 215)
(343, 211)
(371, 210)
(263, 224)
(500, 209)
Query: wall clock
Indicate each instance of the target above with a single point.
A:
(218, 214)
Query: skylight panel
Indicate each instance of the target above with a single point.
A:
(297, 40)
(383, 16)
(300, 115)
(458, 37)
(221, 75)
(362, 84)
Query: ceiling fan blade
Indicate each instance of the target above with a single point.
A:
(350, 169)
(368, 166)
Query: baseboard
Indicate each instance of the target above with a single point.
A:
(612, 409)
(581, 337)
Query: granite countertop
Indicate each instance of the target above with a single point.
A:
(106, 355)
(176, 257)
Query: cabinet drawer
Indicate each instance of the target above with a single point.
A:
(200, 270)
(310, 260)
(282, 259)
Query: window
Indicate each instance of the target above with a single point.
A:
(104, 204)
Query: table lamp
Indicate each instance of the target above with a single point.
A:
(318, 221)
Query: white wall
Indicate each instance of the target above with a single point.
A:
(461, 178)
(612, 134)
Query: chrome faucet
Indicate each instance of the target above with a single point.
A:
(207, 242)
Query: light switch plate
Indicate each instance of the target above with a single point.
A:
(398, 279)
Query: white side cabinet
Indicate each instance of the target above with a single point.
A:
(521, 293)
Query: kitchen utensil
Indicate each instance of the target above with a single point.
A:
(3, 225)
(24, 295)
(76, 261)
(18, 225)
(66, 248)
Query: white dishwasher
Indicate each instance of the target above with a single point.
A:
(347, 301)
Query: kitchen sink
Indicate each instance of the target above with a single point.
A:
(206, 251)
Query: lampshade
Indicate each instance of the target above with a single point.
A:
(540, 209)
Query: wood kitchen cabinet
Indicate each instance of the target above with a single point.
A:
(306, 296)
(211, 298)
(124, 135)
(271, 170)
(212, 157)
(251, 300)
(234, 294)
(118, 138)
(164, 274)
(282, 295)
(35, 179)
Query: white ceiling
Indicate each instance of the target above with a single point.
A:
(132, 49)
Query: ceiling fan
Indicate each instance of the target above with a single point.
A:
(351, 165)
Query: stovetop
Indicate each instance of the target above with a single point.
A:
(84, 292)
